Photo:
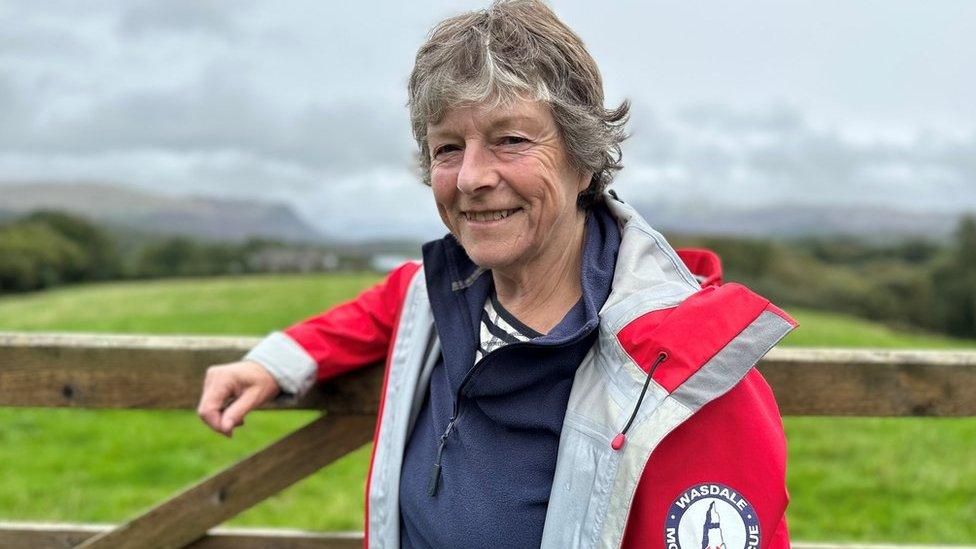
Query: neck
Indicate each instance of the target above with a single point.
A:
(540, 292)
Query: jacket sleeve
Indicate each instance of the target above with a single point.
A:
(348, 336)
(737, 442)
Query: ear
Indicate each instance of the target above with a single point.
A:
(583, 196)
(584, 181)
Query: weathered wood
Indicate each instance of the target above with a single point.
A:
(120, 371)
(61, 536)
(58, 536)
(864, 382)
(110, 371)
(187, 516)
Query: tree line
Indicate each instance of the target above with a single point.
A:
(908, 283)
(912, 282)
(45, 249)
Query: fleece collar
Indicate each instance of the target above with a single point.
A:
(457, 289)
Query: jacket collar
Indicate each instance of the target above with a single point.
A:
(657, 304)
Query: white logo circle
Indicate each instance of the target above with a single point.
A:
(711, 516)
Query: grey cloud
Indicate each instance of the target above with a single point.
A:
(304, 101)
(352, 135)
(67, 9)
(727, 156)
(214, 97)
(220, 112)
(777, 119)
(178, 16)
(37, 40)
(15, 112)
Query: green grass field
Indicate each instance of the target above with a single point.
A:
(897, 480)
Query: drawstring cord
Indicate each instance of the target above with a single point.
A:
(621, 438)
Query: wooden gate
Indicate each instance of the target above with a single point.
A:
(134, 372)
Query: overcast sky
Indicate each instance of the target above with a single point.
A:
(738, 103)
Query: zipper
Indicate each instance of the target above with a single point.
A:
(435, 473)
(433, 482)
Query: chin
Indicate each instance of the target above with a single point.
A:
(489, 258)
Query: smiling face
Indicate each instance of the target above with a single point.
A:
(504, 185)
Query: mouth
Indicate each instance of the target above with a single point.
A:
(488, 216)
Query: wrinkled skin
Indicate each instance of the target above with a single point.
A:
(504, 159)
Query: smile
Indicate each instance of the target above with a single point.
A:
(489, 215)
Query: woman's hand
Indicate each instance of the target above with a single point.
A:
(232, 390)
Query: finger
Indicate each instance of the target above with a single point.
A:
(234, 414)
(212, 401)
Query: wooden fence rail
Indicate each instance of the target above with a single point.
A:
(157, 372)
(165, 372)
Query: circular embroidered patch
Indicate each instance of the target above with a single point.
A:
(711, 516)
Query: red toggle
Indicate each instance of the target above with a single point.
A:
(618, 441)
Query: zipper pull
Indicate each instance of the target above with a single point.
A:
(435, 479)
(435, 473)
(621, 438)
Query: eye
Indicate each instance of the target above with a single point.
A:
(443, 149)
(513, 140)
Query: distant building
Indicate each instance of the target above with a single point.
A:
(385, 263)
(288, 260)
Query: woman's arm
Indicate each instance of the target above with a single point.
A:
(348, 336)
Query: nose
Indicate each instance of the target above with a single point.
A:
(478, 171)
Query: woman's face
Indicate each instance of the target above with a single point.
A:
(503, 183)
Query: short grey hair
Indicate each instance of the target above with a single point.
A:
(518, 49)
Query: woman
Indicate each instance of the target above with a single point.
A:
(556, 375)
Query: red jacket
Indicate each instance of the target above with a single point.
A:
(717, 476)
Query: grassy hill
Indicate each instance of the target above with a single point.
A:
(899, 480)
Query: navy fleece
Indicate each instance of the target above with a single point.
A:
(499, 459)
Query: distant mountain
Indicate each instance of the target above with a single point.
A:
(235, 220)
(789, 221)
(205, 218)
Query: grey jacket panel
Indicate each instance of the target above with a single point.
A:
(410, 362)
